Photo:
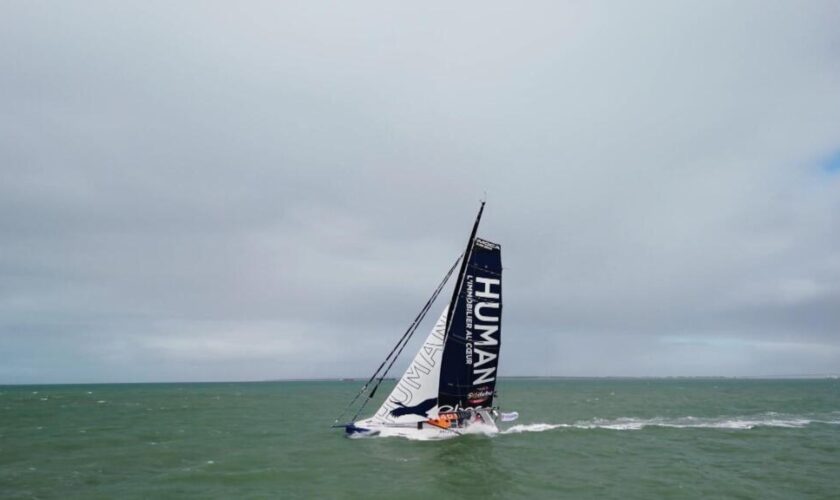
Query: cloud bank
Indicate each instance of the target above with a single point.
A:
(203, 192)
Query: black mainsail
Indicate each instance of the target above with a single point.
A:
(473, 334)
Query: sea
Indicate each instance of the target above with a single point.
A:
(575, 438)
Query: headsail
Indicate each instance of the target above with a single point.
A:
(414, 398)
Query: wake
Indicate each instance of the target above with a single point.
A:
(769, 419)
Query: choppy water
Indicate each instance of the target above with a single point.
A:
(575, 438)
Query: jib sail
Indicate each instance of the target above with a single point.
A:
(414, 398)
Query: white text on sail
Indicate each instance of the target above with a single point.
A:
(487, 324)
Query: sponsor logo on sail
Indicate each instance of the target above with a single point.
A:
(479, 395)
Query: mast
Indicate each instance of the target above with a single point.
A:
(460, 281)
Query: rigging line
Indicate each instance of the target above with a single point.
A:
(409, 331)
(412, 329)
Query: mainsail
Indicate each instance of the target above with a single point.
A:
(471, 352)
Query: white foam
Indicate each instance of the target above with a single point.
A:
(770, 419)
(519, 428)
(632, 424)
(428, 433)
(481, 428)
(694, 422)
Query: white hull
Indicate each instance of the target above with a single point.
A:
(368, 428)
(424, 431)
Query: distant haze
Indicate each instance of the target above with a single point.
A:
(220, 191)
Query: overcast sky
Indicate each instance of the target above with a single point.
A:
(263, 190)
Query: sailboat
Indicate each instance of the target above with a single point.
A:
(450, 385)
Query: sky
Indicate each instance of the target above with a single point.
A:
(198, 191)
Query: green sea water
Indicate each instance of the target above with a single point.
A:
(576, 438)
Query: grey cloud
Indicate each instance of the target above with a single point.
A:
(184, 183)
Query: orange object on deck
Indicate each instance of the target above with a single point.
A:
(444, 420)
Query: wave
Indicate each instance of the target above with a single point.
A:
(770, 419)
